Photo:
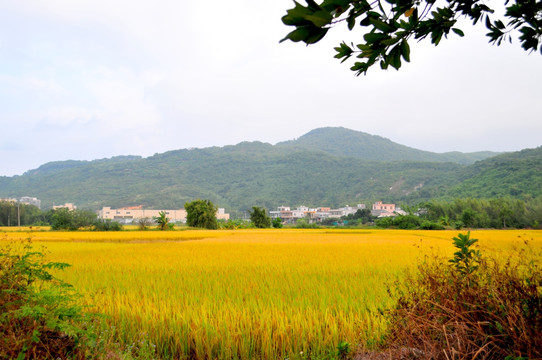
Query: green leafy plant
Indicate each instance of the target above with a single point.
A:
(387, 26)
(466, 260)
(343, 349)
(277, 223)
(163, 221)
(40, 316)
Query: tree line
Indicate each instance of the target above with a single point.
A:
(500, 213)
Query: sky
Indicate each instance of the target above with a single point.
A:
(85, 80)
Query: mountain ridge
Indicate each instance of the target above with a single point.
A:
(256, 173)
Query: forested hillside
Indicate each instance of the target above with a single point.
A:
(344, 142)
(513, 174)
(253, 173)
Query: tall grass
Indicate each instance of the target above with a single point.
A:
(249, 293)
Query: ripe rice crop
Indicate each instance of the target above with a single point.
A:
(249, 293)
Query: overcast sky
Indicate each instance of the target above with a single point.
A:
(91, 79)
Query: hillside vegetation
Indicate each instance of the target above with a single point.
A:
(326, 167)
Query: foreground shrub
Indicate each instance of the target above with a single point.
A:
(40, 318)
(470, 307)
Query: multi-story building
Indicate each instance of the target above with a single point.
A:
(383, 210)
(345, 211)
(221, 214)
(31, 201)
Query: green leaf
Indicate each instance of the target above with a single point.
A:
(382, 26)
(316, 35)
(458, 32)
(313, 5)
(339, 6)
(299, 34)
(309, 34)
(351, 20)
(405, 50)
(320, 18)
(394, 57)
(391, 41)
(372, 38)
(296, 16)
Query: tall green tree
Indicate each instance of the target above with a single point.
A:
(201, 213)
(259, 218)
(387, 26)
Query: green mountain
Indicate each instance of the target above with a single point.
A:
(339, 141)
(293, 173)
(514, 174)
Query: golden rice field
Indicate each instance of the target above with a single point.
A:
(249, 293)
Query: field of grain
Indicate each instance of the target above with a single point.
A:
(248, 293)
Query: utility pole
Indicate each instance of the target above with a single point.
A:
(18, 215)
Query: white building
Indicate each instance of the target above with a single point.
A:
(133, 213)
(313, 214)
(221, 214)
(30, 201)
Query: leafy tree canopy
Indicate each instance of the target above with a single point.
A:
(389, 24)
(259, 218)
(64, 219)
(201, 213)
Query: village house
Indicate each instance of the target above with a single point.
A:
(287, 215)
(385, 210)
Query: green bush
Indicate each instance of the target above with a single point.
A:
(386, 222)
(107, 225)
(231, 224)
(405, 222)
(430, 225)
(305, 224)
(40, 317)
(277, 223)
